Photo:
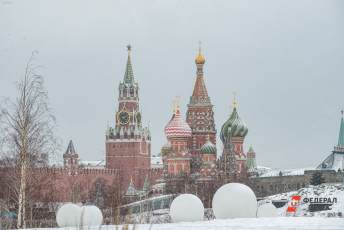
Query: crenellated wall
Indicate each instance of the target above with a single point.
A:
(266, 186)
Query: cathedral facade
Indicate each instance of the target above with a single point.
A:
(190, 154)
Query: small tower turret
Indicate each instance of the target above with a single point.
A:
(70, 158)
(251, 163)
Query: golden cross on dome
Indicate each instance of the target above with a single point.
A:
(176, 104)
(199, 47)
(235, 103)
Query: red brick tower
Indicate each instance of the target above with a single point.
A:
(200, 115)
(128, 143)
(70, 158)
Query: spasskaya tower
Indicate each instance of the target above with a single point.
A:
(128, 147)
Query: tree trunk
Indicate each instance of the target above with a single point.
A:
(22, 197)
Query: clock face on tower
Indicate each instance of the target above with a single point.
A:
(123, 117)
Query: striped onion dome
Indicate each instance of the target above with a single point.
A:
(208, 148)
(177, 127)
(234, 126)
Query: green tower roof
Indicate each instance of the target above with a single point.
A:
(208, 148)
(129, 75)
(341, 132)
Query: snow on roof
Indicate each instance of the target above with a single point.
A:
(285, 172)
(92, 164)
(156, 162)
(168, 196)
(334, 161)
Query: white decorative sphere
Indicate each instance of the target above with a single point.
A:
(68, 215)
(91, 216)
(186, 208)
(267, 210)
(234, 200)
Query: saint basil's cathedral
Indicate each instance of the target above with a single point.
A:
(190, 153)
(191, 150)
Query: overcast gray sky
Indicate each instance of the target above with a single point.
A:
(285, 60)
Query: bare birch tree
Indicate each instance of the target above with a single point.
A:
(28, 132)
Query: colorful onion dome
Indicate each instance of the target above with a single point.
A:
(208, 148)
(234, 127)
(177, 127)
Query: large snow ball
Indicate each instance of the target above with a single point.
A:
(234, 200)
(68, 215)
(91, 216)
(267, 210)
(186, 208)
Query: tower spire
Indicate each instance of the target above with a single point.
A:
(235, 102)
(70, 148)
(129, 75)
(200, 94)
(341, 131)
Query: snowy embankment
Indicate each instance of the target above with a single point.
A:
(277, 223)
(320, 191)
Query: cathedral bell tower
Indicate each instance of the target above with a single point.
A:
(200, 115)
(128, 143)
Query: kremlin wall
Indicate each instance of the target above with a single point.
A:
(189, 161)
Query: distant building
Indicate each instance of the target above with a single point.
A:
(335, 160)
(269, 182)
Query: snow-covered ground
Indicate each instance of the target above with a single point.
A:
(277, 223)
(303, 219)
(320, 191)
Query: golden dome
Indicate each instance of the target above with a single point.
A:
(200, 59)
